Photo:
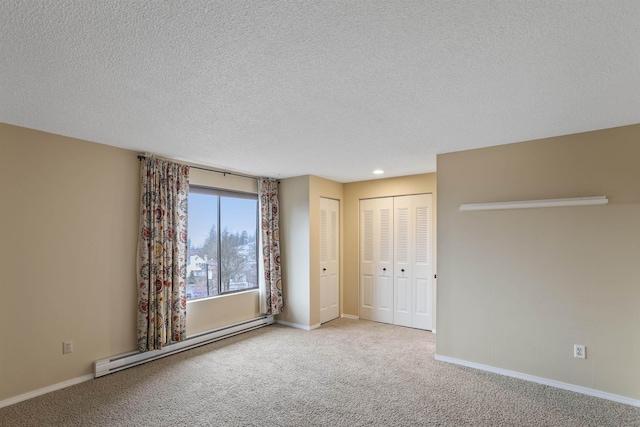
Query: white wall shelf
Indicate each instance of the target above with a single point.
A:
(525, 204)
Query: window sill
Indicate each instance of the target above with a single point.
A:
(230, 294)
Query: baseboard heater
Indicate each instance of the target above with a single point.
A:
(117, 363)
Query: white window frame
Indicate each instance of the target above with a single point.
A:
(219, 192)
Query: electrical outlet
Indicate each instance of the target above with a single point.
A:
(67, 347)
(579, 351)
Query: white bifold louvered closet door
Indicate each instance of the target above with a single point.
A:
(396, 260)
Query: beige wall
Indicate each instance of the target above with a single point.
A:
(294, 249)
(69, 224)
(69, 221)
(209, 313)
(518, 288)
(353, 192)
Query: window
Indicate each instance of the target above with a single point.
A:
(222, 242)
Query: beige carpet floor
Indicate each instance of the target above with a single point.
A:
(346, 373)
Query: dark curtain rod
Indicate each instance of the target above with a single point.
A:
(140, 157)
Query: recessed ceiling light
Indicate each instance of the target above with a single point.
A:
(378, 171)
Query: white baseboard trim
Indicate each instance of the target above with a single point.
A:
(350, 316)
(298, 326)
(541, 380)
(134, 358)
(44, 390)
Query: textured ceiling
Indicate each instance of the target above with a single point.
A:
(329, 88)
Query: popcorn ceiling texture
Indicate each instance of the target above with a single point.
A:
(329, 88)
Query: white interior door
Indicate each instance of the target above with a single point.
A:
(367, 261)
(329, 259)
(403, 261)
(376, 259)
(383, 297)
(422, 268)
(396, 260)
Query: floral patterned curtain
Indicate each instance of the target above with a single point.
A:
(162, 253)
(271, 286)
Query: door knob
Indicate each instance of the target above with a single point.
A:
(402, 270)
(384, 269)
(324, 269)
